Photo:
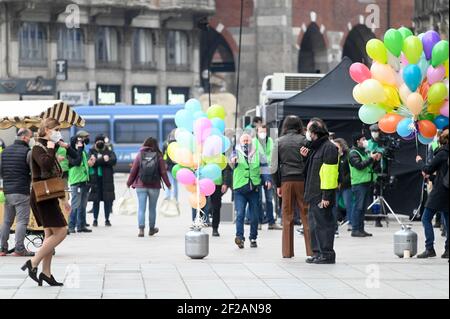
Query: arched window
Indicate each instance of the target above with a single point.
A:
(144, 47)
(355, 44)
(71, 44)
(107, 45)
(313, 56)
(33, 44)
(177, 48)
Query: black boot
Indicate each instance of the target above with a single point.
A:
(378, 223)
(445, 255)
(429, 253)
(215, 232)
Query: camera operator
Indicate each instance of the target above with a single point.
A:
(376, 145)
(362, 178)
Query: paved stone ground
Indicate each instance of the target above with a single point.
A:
(114, 263)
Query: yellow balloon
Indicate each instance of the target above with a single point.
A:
(392, 96)
(172, 150)
(371, 92)
(435, 108)
(377, 51)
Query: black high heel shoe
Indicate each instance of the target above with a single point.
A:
(32, 272)
(51, 281)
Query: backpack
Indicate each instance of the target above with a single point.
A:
(149, 169)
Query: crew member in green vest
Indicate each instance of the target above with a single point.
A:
(264, 144)
(362, 178)
(250, 171)
(79, 183)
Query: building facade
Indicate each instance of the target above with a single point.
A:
(431, 15)
(101, 51)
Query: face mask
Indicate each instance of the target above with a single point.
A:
(375, 135)
(55, 137)
(245, 148)
(365, 144)
(32, 143)
(308, 136)
(100, 145)
(106, 140)
(262, 136)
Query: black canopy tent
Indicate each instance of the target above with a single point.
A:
(331, 99)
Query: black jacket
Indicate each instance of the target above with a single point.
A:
(74, 155)
(357, 162)
(322, 151)
(102, 188)
(227, 177)
(287, 163)
(438, 198)
(15, 169)
(345, 181)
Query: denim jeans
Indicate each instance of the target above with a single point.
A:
(363, 197)
(173, 192)
(80, 196)
(17, 206)
(242, 197)
(107, 208)
(152, 195)
(427, 222)
(347, 195)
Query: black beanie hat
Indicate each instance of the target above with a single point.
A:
(357, 137)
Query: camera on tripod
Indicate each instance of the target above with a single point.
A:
(390, 145)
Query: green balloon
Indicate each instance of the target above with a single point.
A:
(405, 32)
(2, 198)
(427, 116)
(371, 113)
(175, 170)
(440, 53)
(437, 93)
(413, 49)
(393, 40)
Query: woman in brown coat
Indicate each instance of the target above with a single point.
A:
(47, 213)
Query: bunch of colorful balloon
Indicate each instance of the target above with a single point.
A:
(199, 150)
(406, 89)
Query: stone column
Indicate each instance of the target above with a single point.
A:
(91, 81)
(126, 65)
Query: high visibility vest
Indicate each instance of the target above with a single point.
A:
(361, 176)
(246, 172)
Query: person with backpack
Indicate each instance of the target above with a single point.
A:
(146, 174)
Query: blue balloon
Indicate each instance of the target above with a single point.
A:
(441, 122)
(218, 124)
(423, 65)
(193, 106)
(226, 144)
(216, 131)
(200, 115)
(404, 128)
(211, 171)
(425, 140)
(412, 76)
(184, 119)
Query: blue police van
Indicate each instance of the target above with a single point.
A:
(127, 127)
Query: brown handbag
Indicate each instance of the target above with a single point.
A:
(49, 187)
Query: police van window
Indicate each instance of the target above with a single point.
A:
(96, 127)
(168, 126)
(135, 131)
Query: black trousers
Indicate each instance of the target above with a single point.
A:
(322, 227)
(216, 206)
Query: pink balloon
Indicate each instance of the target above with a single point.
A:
(186, 177)
(435, 75)
(360, 72)
(202, 129)
(404, 60)
(444, 109)
(207, 187)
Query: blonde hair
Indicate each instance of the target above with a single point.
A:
(47, 124)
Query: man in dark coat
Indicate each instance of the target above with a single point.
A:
(438, 198)
(102, 178)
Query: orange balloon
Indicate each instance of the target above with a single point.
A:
(424, 88)
(415, 103)
(427, 129)
(193, 200)
(191, 188)
(383, 73)
(388, 124)
(184, 157)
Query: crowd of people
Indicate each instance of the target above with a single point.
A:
(313, 175)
